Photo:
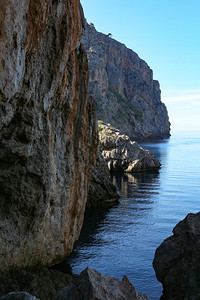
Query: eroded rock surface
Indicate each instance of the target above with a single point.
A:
(177, 261)
(48, 131)
(92, 284)
(123, 154)
(101, 191)
(18, 296)
(43, 283)
(124, 88)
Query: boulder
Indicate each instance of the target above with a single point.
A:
(177, 261)
(91, 284)
(123, 154)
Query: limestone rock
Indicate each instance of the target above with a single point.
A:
(48, 131)
(101, 191)
(123, 154)
(92, 284)
(177, 261)
(123, 86)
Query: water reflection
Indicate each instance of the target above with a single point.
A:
(107, 233)
(93, 221)
(131, 185)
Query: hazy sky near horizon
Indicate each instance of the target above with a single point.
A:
(166, 34)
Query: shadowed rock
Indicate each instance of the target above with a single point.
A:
(177, 261)
(18, 296)
(91, 284)
(48, 131)
(101, 191)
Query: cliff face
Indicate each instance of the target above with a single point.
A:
(48, 134)
(124, 88)
(102, 192)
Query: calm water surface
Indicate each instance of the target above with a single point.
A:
(123, 239)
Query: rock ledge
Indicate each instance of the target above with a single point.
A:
(122, 154)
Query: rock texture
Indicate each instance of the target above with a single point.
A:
(43, 283)
(18, 296)
(124, 88)
(91, 284)
(101, 191)
(123, 154)
(177, 261)
(48, 131)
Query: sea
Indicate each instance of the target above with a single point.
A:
(122, 240)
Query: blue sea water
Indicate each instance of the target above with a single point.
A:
(123, 239)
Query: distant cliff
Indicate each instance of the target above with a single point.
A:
(48, 131)
(124, 88)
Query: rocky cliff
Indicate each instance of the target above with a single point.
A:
(102, 192)
(48, 131)
(124, 88)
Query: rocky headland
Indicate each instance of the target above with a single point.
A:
(123, 154)
(122, 84)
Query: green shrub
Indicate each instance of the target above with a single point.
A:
(101, 122)
(99, 129)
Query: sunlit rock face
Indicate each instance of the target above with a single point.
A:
(124, 88)
(122, 154)
(48, 131)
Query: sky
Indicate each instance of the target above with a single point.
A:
(166, 34)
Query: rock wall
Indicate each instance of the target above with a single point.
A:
(102, 192)
(48, 131)
(177, 261)
(124, 88)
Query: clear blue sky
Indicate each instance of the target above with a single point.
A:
(166, 34)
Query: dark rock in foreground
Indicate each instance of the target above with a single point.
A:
(122, 154)
(43, 284)
(101, 191)
(18, 296)
(91, 284)
(177, 261)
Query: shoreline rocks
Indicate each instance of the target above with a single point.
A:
(102, 192)
(177, 261)
(122, 154)
(89, 285)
